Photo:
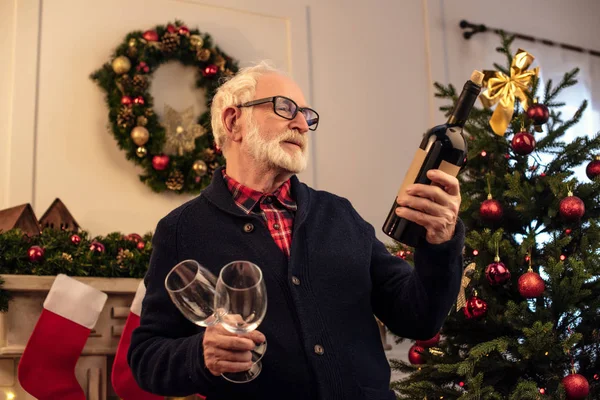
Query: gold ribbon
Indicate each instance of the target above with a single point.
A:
(504, 89)
(461, 301)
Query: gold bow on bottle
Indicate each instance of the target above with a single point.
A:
(504, 89)
(462, 298)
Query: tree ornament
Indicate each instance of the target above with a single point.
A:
(523, 143)
(432, 342)
(142, 67)
(571, 208)
(150, 36)
(496, 272)
(175, 181)
(593, 168)
(139, 101)
(203, 54)
(531, 284)
(461, 300)
(415, 355)
(576, 386)
(210, 70)
(97, 247)
(491, 210)
(183, 31)
(161, 162)
(36, 254)
(181, 131)
(200, 167)
(140, 246)
(140, 135)
(142, 121)
(121, 65)
(126, 100)
(538, 113)
(196, 41)
(75, 239)
(141, 152)
(475, 308)
(134, 237)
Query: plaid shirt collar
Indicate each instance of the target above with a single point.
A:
(247, 199)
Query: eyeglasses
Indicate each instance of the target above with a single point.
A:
(288, 109)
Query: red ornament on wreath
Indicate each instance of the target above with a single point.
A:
(139, 101)
(171, 29)
(140, 245)
(593, 168)
(142, 67)
(538, 113)
(133, 237)
(160, 163)
(475, 308)
(210, 71)
(571, 208)
(184, 31)
(497, 273)
(491, 210)
(97, 247)
(150, 36)
(36, 254)
(576, 386)
(415, 355)
(126, 100)
(429, 342)
(531, 284)
(523, 143)
(75, 239)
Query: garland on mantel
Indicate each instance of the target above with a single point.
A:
(54, 252)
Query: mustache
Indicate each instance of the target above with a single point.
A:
(294, 137)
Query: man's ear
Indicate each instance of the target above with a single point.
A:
(231, 121)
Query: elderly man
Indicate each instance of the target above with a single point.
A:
(326, 273)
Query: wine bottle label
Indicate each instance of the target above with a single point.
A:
(415, 167)
(413, 170)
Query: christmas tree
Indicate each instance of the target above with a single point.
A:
(527, 322)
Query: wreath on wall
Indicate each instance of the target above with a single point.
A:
(177, 154)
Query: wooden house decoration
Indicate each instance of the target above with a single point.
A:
(21, 217)
(58, 217)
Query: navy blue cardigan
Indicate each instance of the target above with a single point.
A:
(346, 275)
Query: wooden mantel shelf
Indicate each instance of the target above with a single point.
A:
(32, 283)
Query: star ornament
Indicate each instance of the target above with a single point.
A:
(181, 131)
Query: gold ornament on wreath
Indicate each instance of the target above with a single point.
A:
(177, 153)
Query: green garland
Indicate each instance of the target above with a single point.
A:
(135, 125)
(112, 256)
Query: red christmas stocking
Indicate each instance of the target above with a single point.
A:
(47, 367)
(122, 379)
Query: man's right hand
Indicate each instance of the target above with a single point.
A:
(229, 352)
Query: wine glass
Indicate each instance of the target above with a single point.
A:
(191, 287)
(241, 304)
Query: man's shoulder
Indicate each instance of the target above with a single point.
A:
(175, 215)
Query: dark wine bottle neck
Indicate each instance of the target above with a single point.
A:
(464, 104)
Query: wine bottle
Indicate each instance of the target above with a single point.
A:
(443, 147)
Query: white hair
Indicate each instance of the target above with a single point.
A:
(237, 90)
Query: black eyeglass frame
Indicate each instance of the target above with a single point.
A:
(273, 100)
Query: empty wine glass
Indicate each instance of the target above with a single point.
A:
(191, 287)
(241, 302)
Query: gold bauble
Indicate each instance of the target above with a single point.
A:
(142, 121)
(121, 65)
(132, 42)
(200, 167)
(141, 152)
(203, 54)
(196, 41)
(140, 135)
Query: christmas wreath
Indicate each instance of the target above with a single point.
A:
(177, 154)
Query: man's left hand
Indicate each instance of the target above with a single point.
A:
(434, 207)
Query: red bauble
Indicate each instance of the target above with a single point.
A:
(210, 71)
(133, 237)
(497, 273)
(97, 247)
(475, 308)
(36, 254)
(126, 100)
(140, 245)
(139, 101)
(571, 208)
(429, 342)
(150, 36)
(142, 67)
(171, 28)
(576, 386)
(593, 169)
(491, 210)
(538, 113)
(415, 355)
(75, 239)
(160, 163)
(184, 31)
(531, 285)
(523, 143)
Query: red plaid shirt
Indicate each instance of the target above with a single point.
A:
(276, 209)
